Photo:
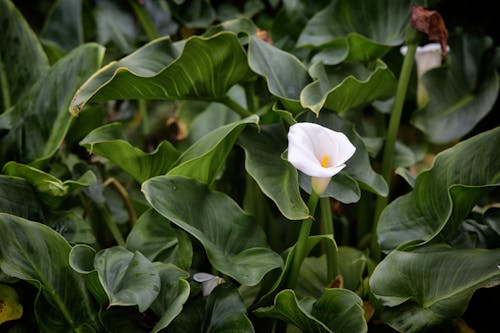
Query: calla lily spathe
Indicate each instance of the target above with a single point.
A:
(318, 152)
(208, 282)
(427, 57)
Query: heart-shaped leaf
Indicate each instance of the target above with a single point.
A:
(204, 159)
(108, 141)
(337, 310)
(451, 277)
(39, 122)
(286, 76)
(358, 166)
(460, 94)
(346, 86)
(444, 194)
(358, 30)
(222, 311)
(29, 251)
(206, 69)
(128, 278)
(234, 244)
(22, 60)
(156, 238)
(276, 177)
(174, 292)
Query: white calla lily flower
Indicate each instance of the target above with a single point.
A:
(427, 57)
(208, 282)
(318, 152)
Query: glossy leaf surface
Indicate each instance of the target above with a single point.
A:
(108, 141)
(451, 277)
(204, 68)
(276, 177)
(29, 251)
(443, 195)
(235, 245)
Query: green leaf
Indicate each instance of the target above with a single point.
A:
(358, 30)
(10, 308)
(223, 311)
(51, 189)
(337, 310)
(22, 60)
(108, 141)
(234, 244)
(72, 225)
(64, 25)
(205, 158)
(358, 166)
(444, 194)
(128, 278)
(346, 86)
(461, 94)
(206, 69)
(174, 292)
(18, 197)
(342, 187)
(450, 278)
(39, 122)
(195, 13)
(156, 238)
(114, 24)
(276, 177)
(286, 76)
(30, 251)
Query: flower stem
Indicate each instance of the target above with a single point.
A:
(301, 245)
(331, 251)
(392, 133)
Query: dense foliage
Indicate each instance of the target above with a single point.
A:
(145, 184)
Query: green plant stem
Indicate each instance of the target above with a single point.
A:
(113, 228)
(4, 85)
(144, 19)
(250, 96)
(234, 106)
(328, 228)
(392, 133)
(301, 245)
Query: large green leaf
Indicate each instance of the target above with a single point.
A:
(18, 197)
(108, 141)
(223, 311)
(444, 194)
(22, 60)
(337, 310)
(174, 293)
(39, 122)
(30, 251)
(64, 26)
(234, 244)
(51, 189)
(156, 238)
(346, 86)
(358, 30)
(358, 166)
(432, 284)
(128, 278)
(460, 94)
(206, 69)
(286, 76)
(205, 158)
(115, 24)
(276, 177)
